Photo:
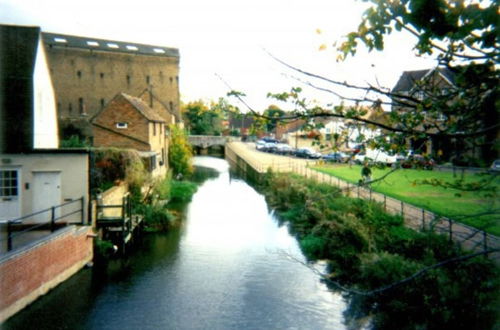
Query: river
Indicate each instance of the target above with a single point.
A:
(224, 268)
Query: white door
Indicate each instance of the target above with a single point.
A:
(10, 201)
(46, 193)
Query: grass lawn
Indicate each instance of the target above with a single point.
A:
(400, 185)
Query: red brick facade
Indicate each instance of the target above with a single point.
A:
(32, 272)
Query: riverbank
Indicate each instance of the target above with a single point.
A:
(385, 268)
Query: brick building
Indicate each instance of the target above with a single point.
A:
(88, 72)
(128, 122)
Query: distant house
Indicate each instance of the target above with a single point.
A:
(240, 123)
(128, 122)
(34, 174)
(419, 84)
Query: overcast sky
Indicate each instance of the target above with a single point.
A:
(228, 38)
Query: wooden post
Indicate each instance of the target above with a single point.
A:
(402, 209)
(450, 229)
(485, 243)
(82, 205)
(423, 219)
(385, 203)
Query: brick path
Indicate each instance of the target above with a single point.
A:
(415, 217)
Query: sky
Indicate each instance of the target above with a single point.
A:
(224, 44)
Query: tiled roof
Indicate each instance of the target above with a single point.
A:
(143, 108)
(90, 43)
(408, 78)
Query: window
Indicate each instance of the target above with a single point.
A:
(128, 80)
(8, 183)
(171, 79)
(171, 105)
(81, 106)
(60, 40)
(158, 51)
(152, 163)
(133, 48)
(148, 79)
(122, 125)
(102, 103)
(92, 43)
(154, 129)
(101, 75)
(70, 108)
(113, 45)
(79, 73)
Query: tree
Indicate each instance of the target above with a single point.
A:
(180, 154)
(203, 119)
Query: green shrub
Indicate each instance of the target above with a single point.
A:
(103, 249)
(157, 218)
(313, 247)
(182, 191)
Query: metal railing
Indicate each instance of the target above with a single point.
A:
(55, 220)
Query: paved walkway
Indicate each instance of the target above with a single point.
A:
(415, 217)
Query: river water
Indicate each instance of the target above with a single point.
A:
(225, 268)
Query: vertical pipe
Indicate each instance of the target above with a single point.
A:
(9, 236)
(52, 219)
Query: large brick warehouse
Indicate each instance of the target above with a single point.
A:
(88, 72)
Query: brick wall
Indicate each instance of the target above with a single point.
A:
(32, 271)
(120, 110)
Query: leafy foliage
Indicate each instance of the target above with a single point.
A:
(368, 249)
(180, 154)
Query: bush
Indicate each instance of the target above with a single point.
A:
(369, 249)
(314, 247)
(156, 218)
(182, 191)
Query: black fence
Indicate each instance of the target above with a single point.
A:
(17, 228)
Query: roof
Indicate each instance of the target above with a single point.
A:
(408, 78)
(143, 108)
(90, 43)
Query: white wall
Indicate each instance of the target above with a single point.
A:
(45, 116)
(74, 178)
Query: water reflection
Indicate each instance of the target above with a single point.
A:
(219, 271)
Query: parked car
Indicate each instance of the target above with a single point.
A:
(270, 140)
(259, 145)
(336, 157)
(495, 166)
(283, 149)
(269, 147)
(307, 153)
(418, 161)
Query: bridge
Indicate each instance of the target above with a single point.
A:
(207, 141)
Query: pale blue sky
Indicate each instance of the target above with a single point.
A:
(227, 37)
